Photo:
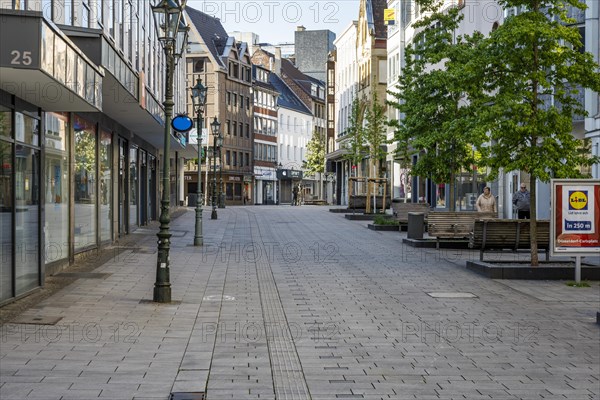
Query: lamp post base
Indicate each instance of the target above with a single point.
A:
(213, 214)
(198, 237)
(162, 294)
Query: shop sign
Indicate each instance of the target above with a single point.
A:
(182, 123)
(575, 224)
(235, 179)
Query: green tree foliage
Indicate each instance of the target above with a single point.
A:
(315, 154)
(355, 134)
(433, 95)
(532, 67)
(375, 132)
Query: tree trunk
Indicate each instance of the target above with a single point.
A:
(533, 223)
(450, 203)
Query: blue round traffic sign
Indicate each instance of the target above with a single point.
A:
(182, 123)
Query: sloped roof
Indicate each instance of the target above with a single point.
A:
(375, 10)
(212, 32)
(287, 98)
(257, 83)
(303, 80)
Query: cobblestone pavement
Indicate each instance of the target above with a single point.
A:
(299, 303)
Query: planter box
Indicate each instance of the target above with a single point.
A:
(545, 271)
(387, 228)
(360, 201)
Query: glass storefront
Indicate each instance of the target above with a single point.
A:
(105, 172)
(56, 171)
(85, 183)
(133, 187)
(26, 203)
(6, 206)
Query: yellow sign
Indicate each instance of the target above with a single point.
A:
(578, 200)
(389, 16)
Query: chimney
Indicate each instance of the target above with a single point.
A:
(277, 64)
(300, 28)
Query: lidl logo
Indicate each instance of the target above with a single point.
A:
(578, 199)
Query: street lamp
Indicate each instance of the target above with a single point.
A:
(199, 101)
(167, 17)
(277, 177)
(217, 143)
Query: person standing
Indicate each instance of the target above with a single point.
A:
(486, 202)
(521, 202)
(295, 195)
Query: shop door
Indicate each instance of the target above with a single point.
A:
(123, 201)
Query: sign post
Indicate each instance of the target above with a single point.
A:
(575, 223)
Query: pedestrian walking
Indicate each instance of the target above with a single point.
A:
(295, 195)
(486, 202)
(521, 202)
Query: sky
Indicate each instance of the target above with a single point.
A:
(275, 21)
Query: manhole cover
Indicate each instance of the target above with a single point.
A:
(36, 320)
(218, 298)
(187, 396)
(452, 295)
(83, 275)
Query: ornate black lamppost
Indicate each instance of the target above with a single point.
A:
(199, 101)
(217, 143)
(168, 23)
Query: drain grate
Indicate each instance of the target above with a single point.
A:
(83, 275)
(218, 298)
(187, 396)
(36, 320)
(452, 295)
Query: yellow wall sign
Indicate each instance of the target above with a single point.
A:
(389, 16)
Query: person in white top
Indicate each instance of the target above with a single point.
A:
(486, 202)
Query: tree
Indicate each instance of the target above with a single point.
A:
(433, 96)
(315, 157)
(375, 134)
(532, 67)
(355, 134)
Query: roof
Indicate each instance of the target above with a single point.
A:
(261, 84)
(375, 10)
(287, 98)
(303, 80)
(212, 32)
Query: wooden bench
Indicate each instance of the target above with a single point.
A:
(508, 234)
(453, 224)
(401, 210)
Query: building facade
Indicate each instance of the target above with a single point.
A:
(224, 66)
(294, 132)
(592, 100)
(81, 132)
(265, 137)
(346, 89)
(312, 50)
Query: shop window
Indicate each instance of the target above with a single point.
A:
(105, 167)
(133, 187)
(57, 184)
(6, 205)
(85, 184)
